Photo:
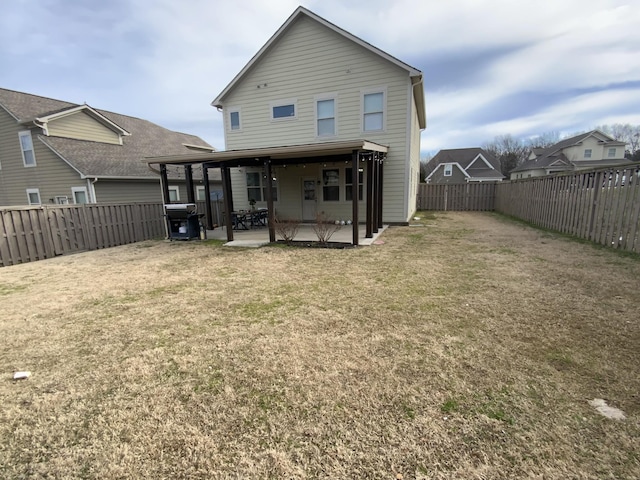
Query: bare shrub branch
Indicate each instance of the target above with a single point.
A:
(325, 228)
(287, 228)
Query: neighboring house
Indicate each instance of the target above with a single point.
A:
(311, 100)
(589, 150)
(464, 165)
(59, 152)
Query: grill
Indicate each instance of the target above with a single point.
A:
(183, 221)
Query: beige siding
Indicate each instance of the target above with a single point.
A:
(83, 127)
(414, 156)
(51, 175)
(310, 60)
(129, 191)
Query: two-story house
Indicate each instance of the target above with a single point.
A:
(58, 152)
(589, 150)
(316, 115)
(464, 165)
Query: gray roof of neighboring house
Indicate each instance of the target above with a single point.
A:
(96, 159)
(465, 156)
(545, 157)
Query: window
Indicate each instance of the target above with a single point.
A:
(200, 193)
(174, 194)
(331, 185)
(348, 183)
(257, 187)
(373, 111)
(33, 195)
(587, 153)
(283, 110)
(26, 144)
(326, 117)
(448, 170)
(612, 153)
(234, 119)
(80, 195)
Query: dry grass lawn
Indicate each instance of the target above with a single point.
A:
(467, 347)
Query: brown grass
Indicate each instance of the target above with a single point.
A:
(464, 348)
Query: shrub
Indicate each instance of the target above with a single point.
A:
(325, 228)
(287, 228)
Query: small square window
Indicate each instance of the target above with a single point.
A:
(448, 170)
(80, 195)
(612, 153)
(200, 193)
(174, 194)
(587, 153)
(33, 196)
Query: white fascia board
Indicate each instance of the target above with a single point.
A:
(481, 157)
(97, 115)
(9, 112)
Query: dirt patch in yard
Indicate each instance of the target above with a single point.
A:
(465, 348)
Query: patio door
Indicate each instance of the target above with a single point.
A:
(309, 199)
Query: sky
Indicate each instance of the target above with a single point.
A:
(491, 67)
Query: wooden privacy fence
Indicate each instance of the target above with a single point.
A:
(602, 205)
(465, 197)
(38, 232)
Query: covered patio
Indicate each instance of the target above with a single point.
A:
(358, 155)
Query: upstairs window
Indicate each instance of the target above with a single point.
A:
(33, 196)
(26, 145)
(283, 110)
(200, 193)
(326, 117)
(257, 187)
(373, 112)
(234, 119)
(612, 153)
(448, 170)
(587, 153)
(348, 183)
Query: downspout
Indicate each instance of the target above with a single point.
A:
(92, 189)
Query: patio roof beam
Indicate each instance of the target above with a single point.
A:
(369, 226)
(207, 198)
(188, 176)
(380, 177)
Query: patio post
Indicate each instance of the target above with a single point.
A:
(374, 220)
(355, 193)
(207, 197)
(188, 176)
(370, 168)
(164, 183)
(380, 163)
(270, 211)
(228, 203)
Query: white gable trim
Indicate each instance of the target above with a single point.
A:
(217, 102)
(481, 157)
(86, 108)
(455, 164)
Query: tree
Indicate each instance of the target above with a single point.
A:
(627, 133)
(510, 151)
(426, 167)
(544, 140)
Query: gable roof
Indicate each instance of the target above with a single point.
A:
(473, 162)
(103, 160)
(545, 157)
(414, 73)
